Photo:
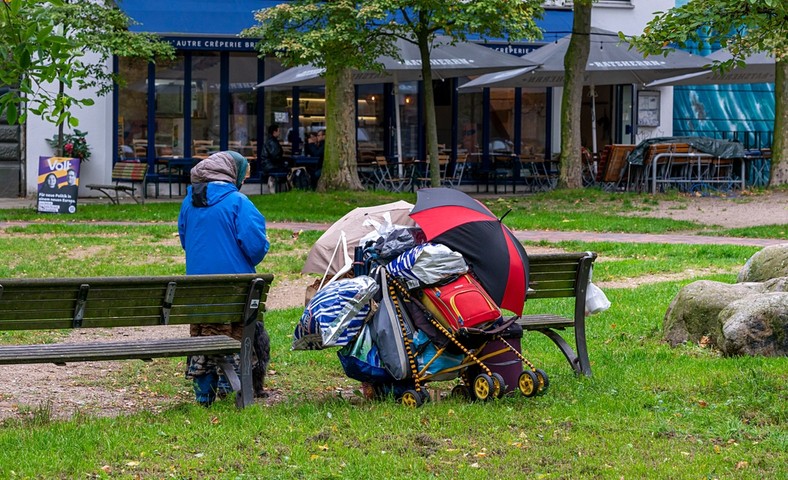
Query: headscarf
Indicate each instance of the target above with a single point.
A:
(225, 166)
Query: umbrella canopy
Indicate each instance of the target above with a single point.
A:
(447, 61)
(610, 62)
(498, 260)
(758, 68)
(326, 255)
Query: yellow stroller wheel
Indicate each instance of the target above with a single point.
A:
(528, 383)
(483, 387)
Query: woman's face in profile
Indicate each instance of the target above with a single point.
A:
(51, 180)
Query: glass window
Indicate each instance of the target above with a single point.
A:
(243, 104)
(277, 102)
(501, 120)
(533, 121)
(205, 103)
(371, 121)
(169, 100)
(408, 101)
(133, 110)
(470, 125)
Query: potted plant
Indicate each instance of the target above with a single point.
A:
(74, 145)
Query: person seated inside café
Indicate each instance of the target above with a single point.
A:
(318, 150)
(272, 158)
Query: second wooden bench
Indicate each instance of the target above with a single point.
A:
(130, 173)
(561, 275)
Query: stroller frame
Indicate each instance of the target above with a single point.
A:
(484, 386)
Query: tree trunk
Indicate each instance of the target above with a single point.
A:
(779, 170)
(339, 171)
(429, 112)
(60, 150)
(571, 103)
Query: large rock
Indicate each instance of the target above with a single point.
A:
(771, 262)
(693, 312)
(755, 325)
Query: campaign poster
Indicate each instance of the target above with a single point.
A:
(58, 184)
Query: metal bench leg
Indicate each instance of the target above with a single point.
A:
(577, 364)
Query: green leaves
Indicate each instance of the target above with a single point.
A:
(43, 42)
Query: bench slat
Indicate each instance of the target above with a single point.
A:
(531, 322)
(85, 352)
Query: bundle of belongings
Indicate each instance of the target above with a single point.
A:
(414, 313)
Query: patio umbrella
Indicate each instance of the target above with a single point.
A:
(452, 218)
(610, 62)
(447, 60)
(758, 68)
(328, 254)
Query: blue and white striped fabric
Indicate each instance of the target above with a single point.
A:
(427, 264)
(335, 314)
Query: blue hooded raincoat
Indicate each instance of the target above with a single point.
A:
(227, 235)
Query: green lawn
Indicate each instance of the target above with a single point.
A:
(649, 411)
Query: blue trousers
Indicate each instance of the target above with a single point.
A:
(208, 386)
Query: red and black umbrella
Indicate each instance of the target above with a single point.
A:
(497, 258)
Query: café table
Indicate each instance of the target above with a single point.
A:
(177, 170)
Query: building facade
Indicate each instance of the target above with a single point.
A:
(205, 100)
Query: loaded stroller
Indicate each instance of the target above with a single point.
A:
(428, 306)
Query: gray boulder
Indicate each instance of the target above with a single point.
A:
(755, 325)
(693, 312)
(771, 262)
(776, 285)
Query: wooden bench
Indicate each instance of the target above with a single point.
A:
(556, 276)
(125, 172)
(107, 302)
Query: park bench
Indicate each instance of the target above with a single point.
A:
(130, 173)
(556, 276)
(107, 302)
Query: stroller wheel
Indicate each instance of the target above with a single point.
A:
(544, 381)
(412, 399)
(499, 385)
(528, 382)
(483, 386)
(461, 392)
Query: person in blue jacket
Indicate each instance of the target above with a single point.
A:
(221, 231)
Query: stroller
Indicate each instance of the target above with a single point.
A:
(418, 341)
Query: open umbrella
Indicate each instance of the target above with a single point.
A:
(758, 68)
(452, 218)
(610, 62)
(328, 254)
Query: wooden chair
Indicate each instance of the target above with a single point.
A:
(455, 178)
(201, 148)
(616, 166)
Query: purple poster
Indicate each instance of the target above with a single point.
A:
(58, 184)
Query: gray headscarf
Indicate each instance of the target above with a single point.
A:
(226, 166)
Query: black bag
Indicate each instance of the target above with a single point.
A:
(298, 178)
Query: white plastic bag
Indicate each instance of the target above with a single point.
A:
(596, 300)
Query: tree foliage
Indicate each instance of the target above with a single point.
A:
(419, 21)
(334, 36)
(50, 42)
(743, 27)
(346, 34)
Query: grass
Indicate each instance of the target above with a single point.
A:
(649, 411)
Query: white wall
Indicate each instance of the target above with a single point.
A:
(632, 20)
(96, 120)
